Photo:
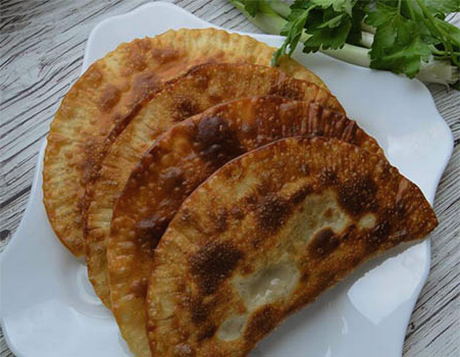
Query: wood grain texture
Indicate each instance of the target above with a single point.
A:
(41, 50)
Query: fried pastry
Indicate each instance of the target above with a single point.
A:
(106, 97)
(177, 163)
(201, 88)
(266, 234)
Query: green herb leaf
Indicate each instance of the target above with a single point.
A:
(398, 44)
(452, 32)
(252, 6)
(293, 31)
(328, 38)
(407, 32)
(345, 6)
(443, 7)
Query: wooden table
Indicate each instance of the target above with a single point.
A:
(41, 51)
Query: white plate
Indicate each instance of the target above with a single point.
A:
(47, 305)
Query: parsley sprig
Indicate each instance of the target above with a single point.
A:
(410, 37)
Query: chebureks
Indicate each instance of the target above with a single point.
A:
(266, 234)
(201, 88)
(177, 163)
(106, 97)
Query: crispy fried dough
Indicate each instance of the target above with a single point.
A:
(203, 87)
(177, 163)
(266, 234)
(101, 103)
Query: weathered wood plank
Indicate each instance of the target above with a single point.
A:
(41, 49)
(435, 322)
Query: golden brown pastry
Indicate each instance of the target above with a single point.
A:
(106, 97)
(177, 163)
(201, 88)
(266, 234)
